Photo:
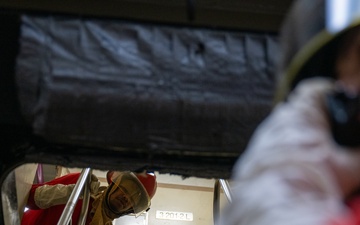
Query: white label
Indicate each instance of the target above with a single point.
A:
(170, 215)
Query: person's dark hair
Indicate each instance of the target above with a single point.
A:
(305, 20)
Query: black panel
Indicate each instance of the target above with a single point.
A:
(149, 91)
(260, 15)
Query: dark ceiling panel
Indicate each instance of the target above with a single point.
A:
(259, 15)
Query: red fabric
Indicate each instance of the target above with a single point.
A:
(50, 216)
(354, 205)
(350, 218)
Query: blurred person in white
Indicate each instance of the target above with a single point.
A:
(302, 165)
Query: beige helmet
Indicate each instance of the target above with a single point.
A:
(138, 187)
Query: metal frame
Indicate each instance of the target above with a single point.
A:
(65, 217)
(226, 188)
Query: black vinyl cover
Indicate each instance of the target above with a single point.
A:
(152, 89)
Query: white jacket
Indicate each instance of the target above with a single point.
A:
(292, 172)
